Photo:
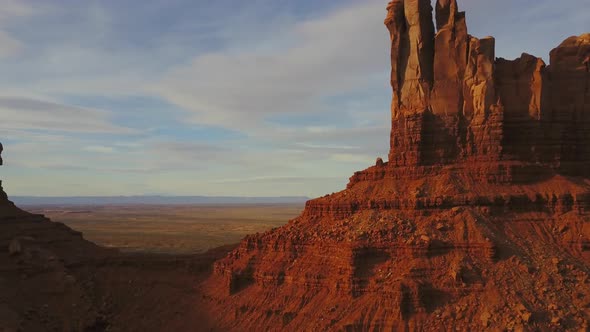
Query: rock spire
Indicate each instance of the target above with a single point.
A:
(454, 102)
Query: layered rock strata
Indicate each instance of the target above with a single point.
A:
(479, 220)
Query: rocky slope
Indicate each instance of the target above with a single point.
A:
(38, 288)
(479, 220)
(51, 279)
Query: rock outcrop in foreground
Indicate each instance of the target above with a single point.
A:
(480, 219)
(51, 279)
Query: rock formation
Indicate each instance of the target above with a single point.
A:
(51, 279)
(478, 220)
(453, 102)
(36, 260)
(7, 208)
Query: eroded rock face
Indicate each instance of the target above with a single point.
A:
(479, 220)
(411, 30)
(454, 102)
(565, 111)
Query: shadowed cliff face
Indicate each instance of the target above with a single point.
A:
(3, 195)
(52, 279)
(479, 220)
(37, 285)
(7, 208)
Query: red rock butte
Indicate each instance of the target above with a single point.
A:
(455, 103)
(479, 220)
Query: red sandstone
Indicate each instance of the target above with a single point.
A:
(478, 220)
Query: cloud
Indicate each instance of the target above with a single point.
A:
(329, 147)
(351, 158)
(31, 114)
(272, 179)
(13, 9)
(175, 155)
(326, 56)
(100, 149)
(302, 87)
(534, 27)
(8, 45)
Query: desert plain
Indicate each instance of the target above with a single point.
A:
(169, 229)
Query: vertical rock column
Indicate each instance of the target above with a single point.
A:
(412, 49)
(466, 122)
(453, 101)
(444, 101)
(447, 136)
(519, 84)
(483, 116)
(566, 106)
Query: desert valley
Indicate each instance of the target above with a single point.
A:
(478, 219)
(169, 229)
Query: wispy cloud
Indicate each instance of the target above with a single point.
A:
(9, 45)
(100, 149)
(14, 9)
(222, 97)
(523, 26)
(326, 56)
(272, 179)
(26, 113)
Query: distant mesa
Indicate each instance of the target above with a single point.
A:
(479, 220)
(155, 200)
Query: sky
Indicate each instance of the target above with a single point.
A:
(220, 98)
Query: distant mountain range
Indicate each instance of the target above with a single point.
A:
(164, 200)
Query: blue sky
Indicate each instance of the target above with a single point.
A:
(225, 97)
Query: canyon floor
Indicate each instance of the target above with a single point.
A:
(52, 279)
(169, 229)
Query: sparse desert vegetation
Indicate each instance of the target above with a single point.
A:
(174, 229)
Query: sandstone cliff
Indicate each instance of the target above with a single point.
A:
(478, 220)
(454, 102)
